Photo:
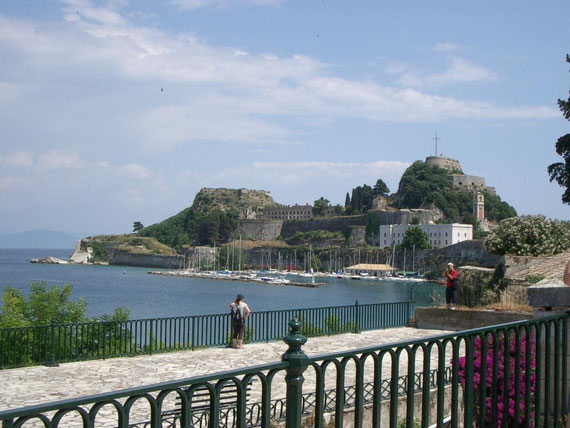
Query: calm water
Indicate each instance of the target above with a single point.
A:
(152, 296)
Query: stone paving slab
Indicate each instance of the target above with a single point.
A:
(34, 385)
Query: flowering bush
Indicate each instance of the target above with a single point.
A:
(529, 236)
(503, 356)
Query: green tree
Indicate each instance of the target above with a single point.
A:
(43, 304)
(347, 206)
(560, 171)
(367, 196)
(415, 237)
(137, 226)
(320, 207)
(380, 188)
(372, 224)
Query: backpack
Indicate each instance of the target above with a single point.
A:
(237, 314)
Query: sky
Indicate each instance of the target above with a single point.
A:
(115, 111)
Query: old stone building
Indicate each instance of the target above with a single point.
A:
(295, 212)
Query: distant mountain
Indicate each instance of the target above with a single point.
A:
(38, 239)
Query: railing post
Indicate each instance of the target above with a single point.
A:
(356, 328)
(52, 362)
(298, 363)
(104, 338)
(229, 344)
(151, 338)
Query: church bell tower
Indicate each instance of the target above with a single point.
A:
(479, 206)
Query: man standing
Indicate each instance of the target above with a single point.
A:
(451, 289)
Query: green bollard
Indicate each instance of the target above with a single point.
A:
(298, 363)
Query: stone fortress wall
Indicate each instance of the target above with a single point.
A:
(444, 163)
(467, 182)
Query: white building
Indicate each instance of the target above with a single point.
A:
(439, 235)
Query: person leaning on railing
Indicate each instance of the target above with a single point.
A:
(240, 313)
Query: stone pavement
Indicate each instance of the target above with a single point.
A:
(34, 385)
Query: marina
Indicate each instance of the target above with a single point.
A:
(249, 276)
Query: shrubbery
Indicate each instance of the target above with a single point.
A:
(529, 236)
(506, 355)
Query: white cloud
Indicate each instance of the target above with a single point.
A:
(134, 170)
(57, 159)
(164, 128)
(459, 71)
(285, 174)
(13, 183)
(447, 47)
(197, 4)
(18, 159)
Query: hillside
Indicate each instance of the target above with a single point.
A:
(212, 218)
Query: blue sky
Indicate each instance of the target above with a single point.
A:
(113, 111)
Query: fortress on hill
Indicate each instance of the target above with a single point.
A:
(457, 177)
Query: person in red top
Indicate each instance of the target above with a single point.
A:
(451, 289)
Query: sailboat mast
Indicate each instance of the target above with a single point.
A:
(239, 255)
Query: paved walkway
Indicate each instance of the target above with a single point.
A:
(34, 385)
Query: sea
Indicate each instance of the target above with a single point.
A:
(154, 296)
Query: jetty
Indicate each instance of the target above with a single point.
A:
(237, 276)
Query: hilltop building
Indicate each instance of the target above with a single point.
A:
(439, 235)
(295, 212)
(456, 175)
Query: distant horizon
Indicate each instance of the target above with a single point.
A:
(38, 239)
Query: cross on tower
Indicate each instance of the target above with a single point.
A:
(435, 138)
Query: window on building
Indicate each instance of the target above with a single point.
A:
(446, 242)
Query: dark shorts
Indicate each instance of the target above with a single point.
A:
(239, 328)
(450, 295)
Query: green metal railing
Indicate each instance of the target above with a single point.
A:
(520, 366)
(57, 343)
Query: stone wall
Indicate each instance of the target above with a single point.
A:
(472, 281)
(261, 230)
(332, 224)
(406, 216)
(464, 253)
(125, 258)
(444, 163)
(357, 236)
(458, 319)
